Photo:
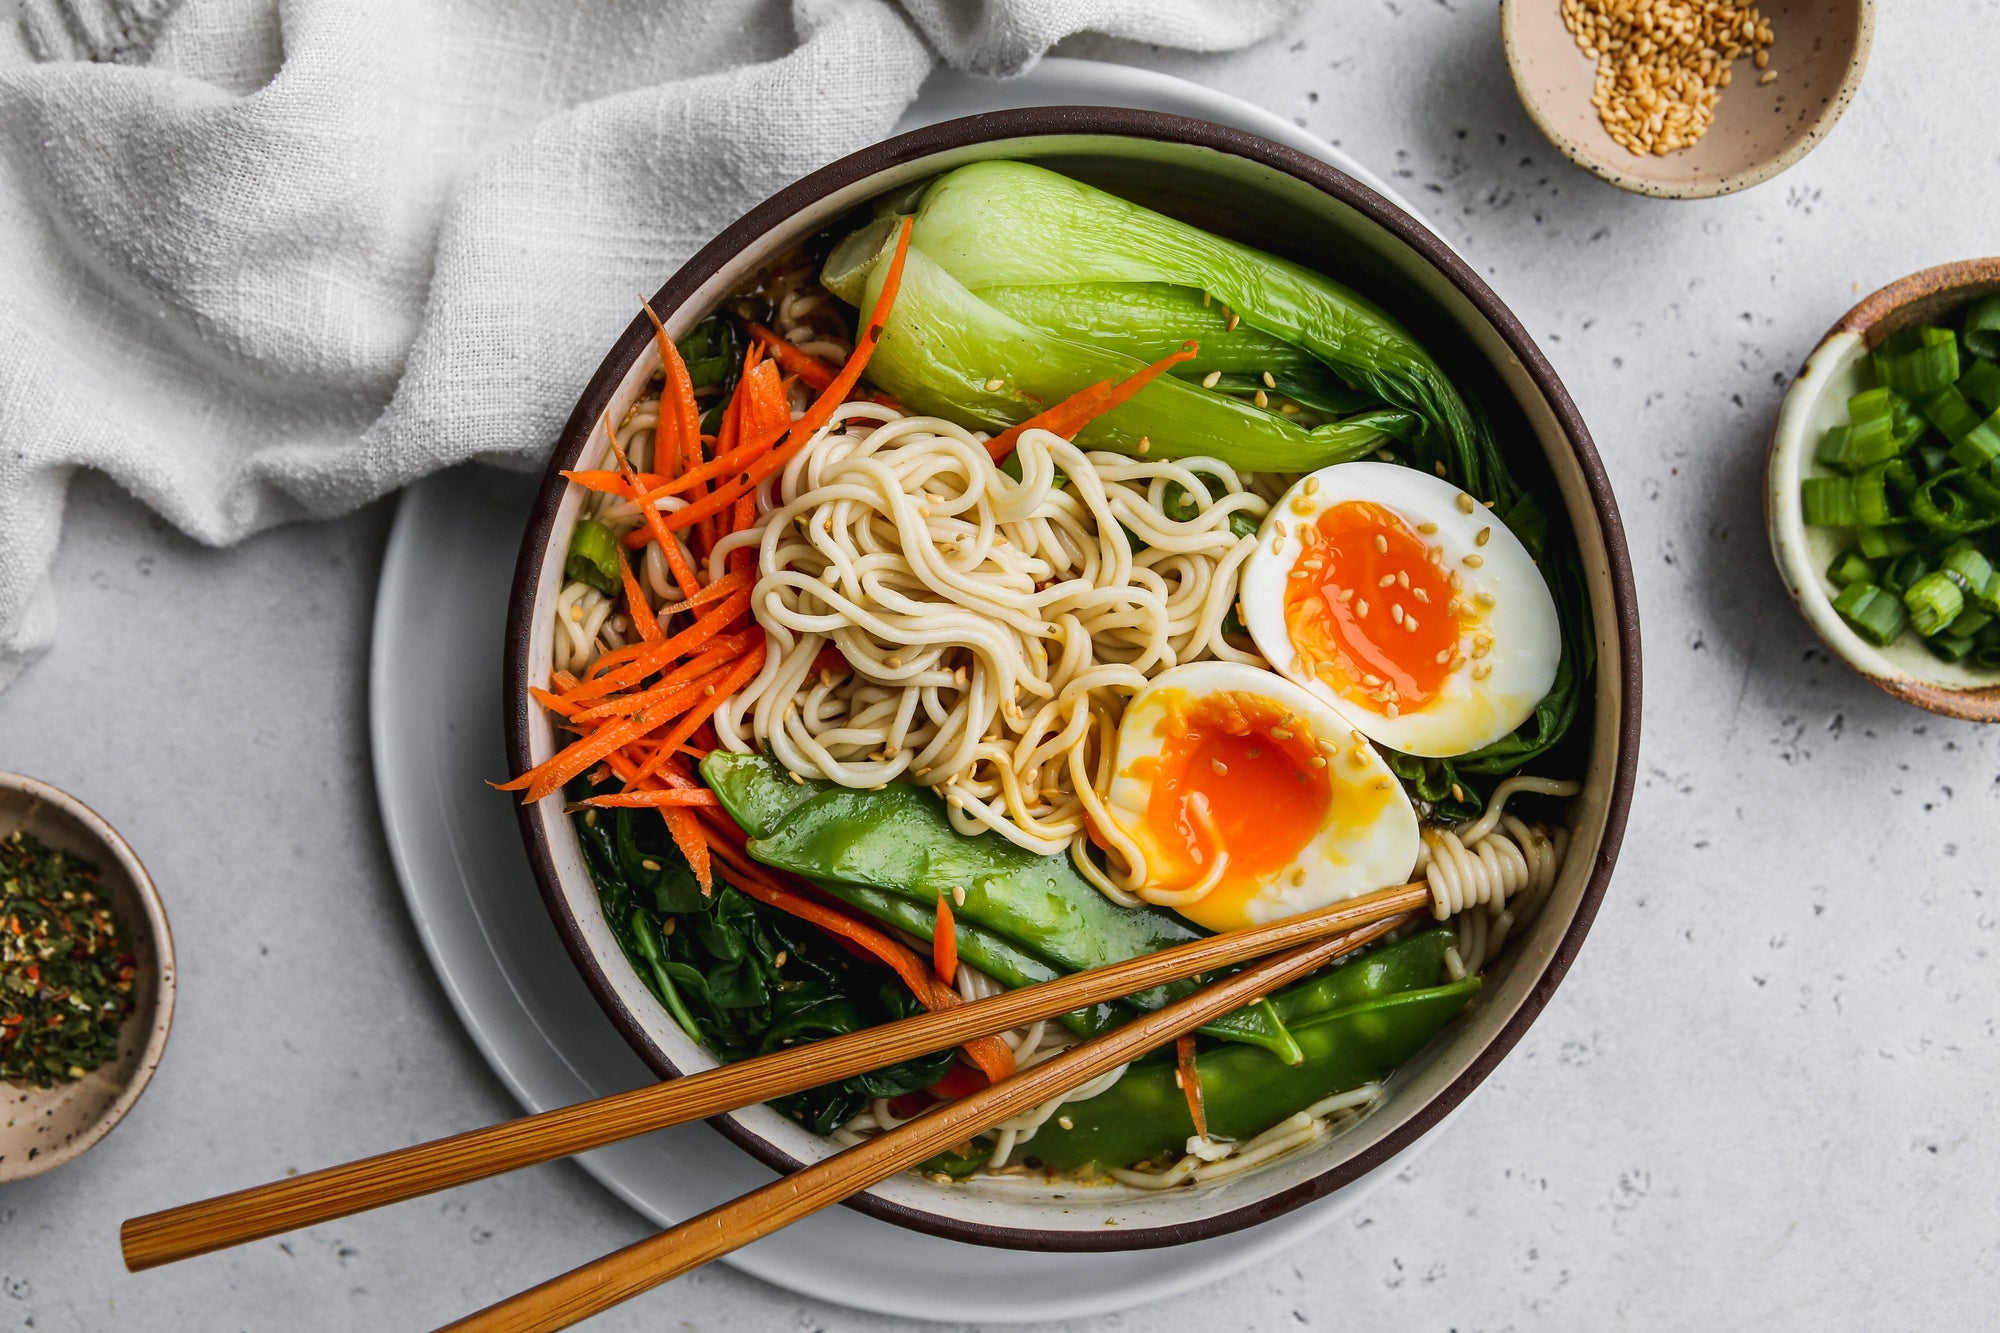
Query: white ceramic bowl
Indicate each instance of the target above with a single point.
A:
(1836, 371)
(1266, 195)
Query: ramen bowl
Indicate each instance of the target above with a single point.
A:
(1255, 191)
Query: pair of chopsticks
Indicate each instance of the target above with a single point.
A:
(1308, 942)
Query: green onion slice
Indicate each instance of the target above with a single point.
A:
(1918, 361)
(1876, 615)
(593, 557)
(1982, 328)
(1934, 601)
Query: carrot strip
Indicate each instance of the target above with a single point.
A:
(550, 775)
(816, 416)
(640, 800)
(604, 662)
(656, 656)
(712, 592)
(944, 942)
(720, 652)
(636, 604)
(1189, 1079)
(611, 481)
(680, 391)
(735, 679)
(796, 362)
(959, 1081)
(671, 549)
(1072, 414)
(767, 411)
(686, 832)
(555, 703)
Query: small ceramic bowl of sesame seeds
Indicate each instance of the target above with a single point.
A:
(86, 977)
(1686, 99)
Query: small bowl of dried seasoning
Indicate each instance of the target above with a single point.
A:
(1686, 99)
(86, 977)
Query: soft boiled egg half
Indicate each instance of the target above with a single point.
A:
(1403, 603)
(1249, 799)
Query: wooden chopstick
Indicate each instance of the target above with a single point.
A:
(623, 1274)
(340, 1191)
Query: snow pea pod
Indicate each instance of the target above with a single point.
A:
(759, 794)
(899, 841)
(1245, 1091)
(1411, 964)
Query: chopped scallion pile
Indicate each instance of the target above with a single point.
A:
(1914, 475)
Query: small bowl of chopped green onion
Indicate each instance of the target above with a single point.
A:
(86, 977)
(1883, 489)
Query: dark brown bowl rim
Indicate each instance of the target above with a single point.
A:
(1116, 122)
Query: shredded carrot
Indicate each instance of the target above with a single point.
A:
(713, 592)
(555, 703)
(549, 776)
(677, 393)
(653, 657)
(716, 694)
(654, 797)
(816, 417)
(671, 549)
(1072, 414)
(686, 832)
(1189, 1078)
(603, 662)
(611, 481)
(718, 653)
(636, 603)
(796, 362)
(944, 942)
(754, 443)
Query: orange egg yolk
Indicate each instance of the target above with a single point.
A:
(1370, 608)
(1234, 776)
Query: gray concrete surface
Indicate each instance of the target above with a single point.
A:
(1762, 1099)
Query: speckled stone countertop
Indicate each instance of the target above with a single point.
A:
(1763, 1097)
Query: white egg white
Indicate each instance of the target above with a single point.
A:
(1366, 841)
(1511, 640)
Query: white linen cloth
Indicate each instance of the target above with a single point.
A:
(263, 260)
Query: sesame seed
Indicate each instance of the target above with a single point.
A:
(778, 958)
(1428, 529)
(1482, 670)
(1434, 556)
(1768, 76)
(1298, 876)
(893, 662)
(1229, 325)
(1464, 503)
(1145, 444)
(1387, 581)
(1483, 598)
(1205, 298)
(1346, 595)
(958, 894)
(1396, 613)
(1421, 595)
(1457, 792)
(1438, 467)
(1410, 623)
(1388, 710)
(1221, 769)
(1381, 544)
(1296, 574)
(1485, 535)
(796, 778)
(995, 385)
(1317, 761)
(1403, 578)
(1289, 408)
(1269, 381)
(1473, 561)
(1260, 398)
(1280, 734)
(1444, 657)
(1386, 455)
(1312, 486)
(1065, 1122)
(1360, 609)
(650, 864)
(1211, 379)
(708, 690)
(1279, 528)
